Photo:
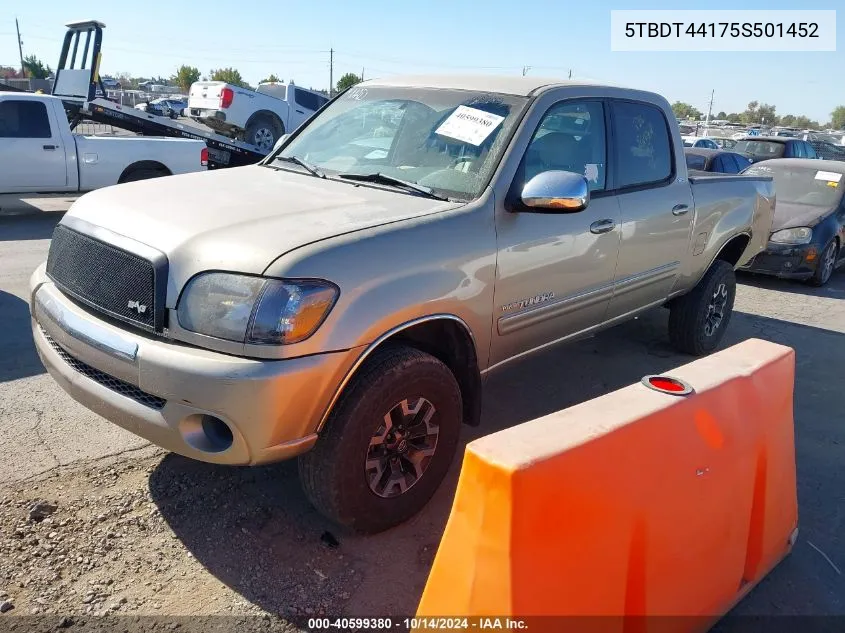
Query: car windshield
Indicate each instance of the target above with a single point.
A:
(762, 149)
(803, 185)
(448, 141)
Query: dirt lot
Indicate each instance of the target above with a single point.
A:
(146, 533)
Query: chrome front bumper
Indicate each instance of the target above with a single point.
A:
(160, 389)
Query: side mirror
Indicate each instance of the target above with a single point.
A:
(282, 140)
(562, 191)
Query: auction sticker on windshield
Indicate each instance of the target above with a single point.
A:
(469, 125)
(831, 177)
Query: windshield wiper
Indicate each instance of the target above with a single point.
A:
(384, 179)
(296, 160)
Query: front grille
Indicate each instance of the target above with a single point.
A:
(117, 282)
(102, 378)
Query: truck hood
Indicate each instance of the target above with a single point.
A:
(790, 214)
(241, 219)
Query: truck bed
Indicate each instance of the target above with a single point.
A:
(723, 198)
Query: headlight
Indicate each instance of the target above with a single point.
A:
(800, 235)
(255, 309)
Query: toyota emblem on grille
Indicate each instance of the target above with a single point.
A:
(138, 306)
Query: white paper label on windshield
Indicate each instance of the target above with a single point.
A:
(829, 176)
(469, 125)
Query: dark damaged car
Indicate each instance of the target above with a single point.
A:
(808, 231)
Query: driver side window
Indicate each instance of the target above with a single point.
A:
(571, 137)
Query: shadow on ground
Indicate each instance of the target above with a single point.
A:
(38, 226)
(19, 358)
(835, 288)
(254, 530)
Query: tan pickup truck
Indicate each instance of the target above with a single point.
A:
(344, 300)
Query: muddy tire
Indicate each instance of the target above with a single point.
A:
(387, 444)
(699, 319)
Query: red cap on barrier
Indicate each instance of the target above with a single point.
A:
(667, 384)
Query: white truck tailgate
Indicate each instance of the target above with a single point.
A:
(205, 95)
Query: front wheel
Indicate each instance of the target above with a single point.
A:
(825, 266)
(387, 444)
(698, 320)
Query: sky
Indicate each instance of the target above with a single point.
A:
(293, 39)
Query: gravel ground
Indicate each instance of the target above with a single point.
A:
(101, 541)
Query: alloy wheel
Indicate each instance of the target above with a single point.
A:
(716, 310)
(402, 447)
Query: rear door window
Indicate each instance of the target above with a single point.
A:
(643, 147)
(307, 100)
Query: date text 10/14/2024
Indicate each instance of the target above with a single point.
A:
(417, 624)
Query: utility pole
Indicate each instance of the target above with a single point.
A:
(20, 48)
(525, 70)
(709, 110)
(362, 73)
(331, 72)
(570, 73)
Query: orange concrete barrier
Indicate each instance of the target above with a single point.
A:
(637, 503)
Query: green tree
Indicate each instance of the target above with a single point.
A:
(733, 117)
(185, 76)
(348, 80)
(685, 111)
(837, 118)
(127, 81)
(757, 112)
(722, 115)
(35, 68)
(230, 76)
(272, 79)
(788, 120)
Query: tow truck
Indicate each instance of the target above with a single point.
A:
(79, 85)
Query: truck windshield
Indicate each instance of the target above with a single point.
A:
(803, 185)
(448, 141)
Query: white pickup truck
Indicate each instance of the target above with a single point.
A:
(258, 117)
(40, 153)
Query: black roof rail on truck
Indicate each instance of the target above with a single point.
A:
(76, 84)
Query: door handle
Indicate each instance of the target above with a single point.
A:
(300, 112)
(602, 226)
(50, 147)
(680, 209)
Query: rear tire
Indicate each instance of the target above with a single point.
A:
(825, 266)
(263, 132)
(360, 474)
(699, 319)
(143, 173)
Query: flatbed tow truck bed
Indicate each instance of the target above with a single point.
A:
(76, 84)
